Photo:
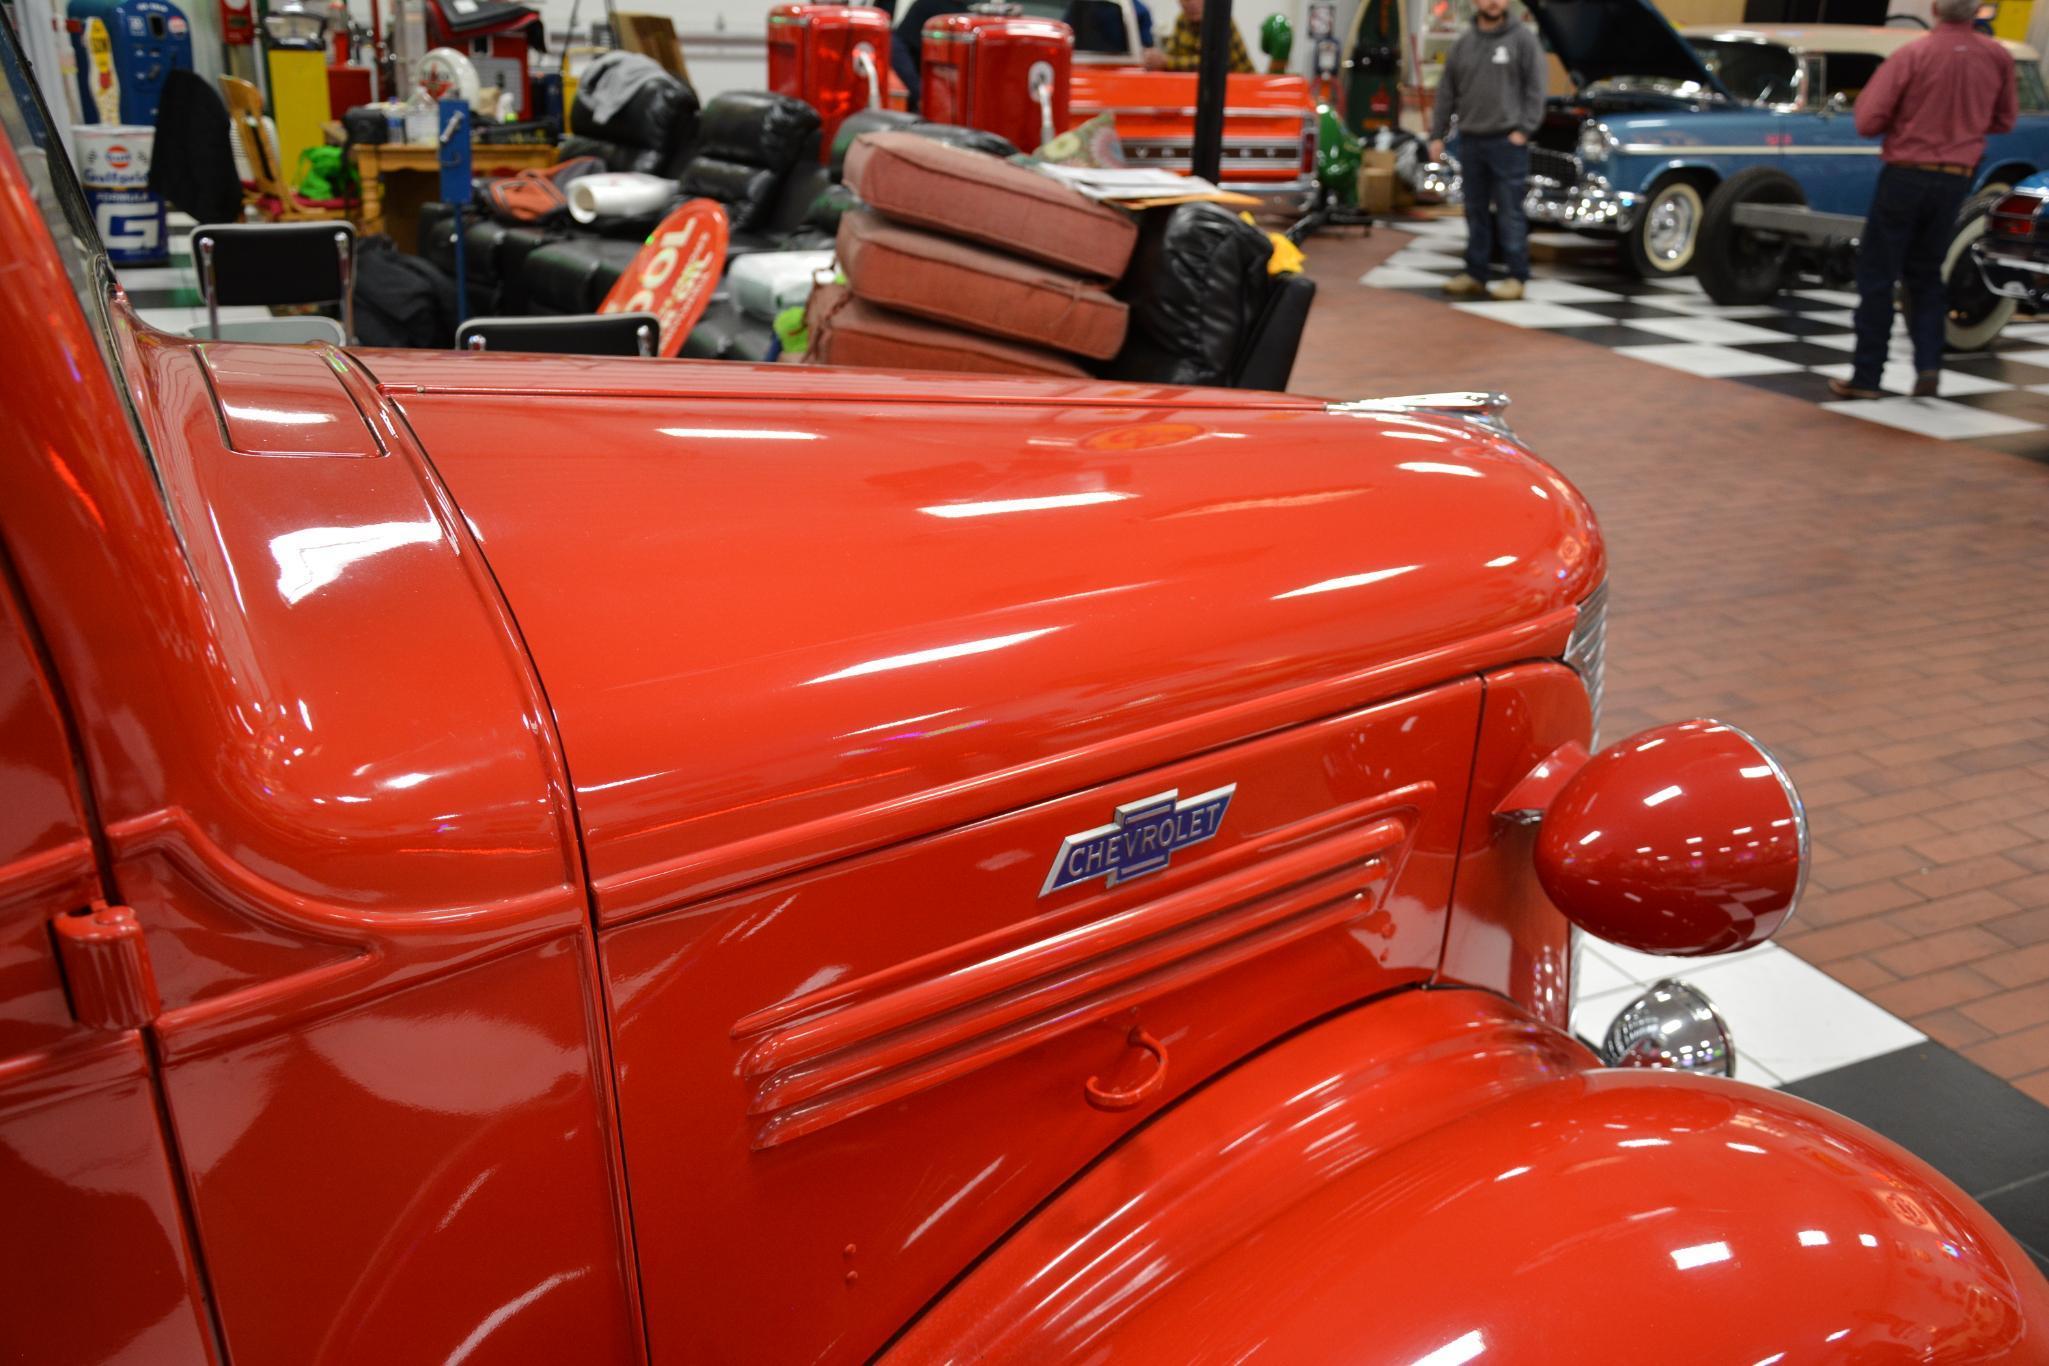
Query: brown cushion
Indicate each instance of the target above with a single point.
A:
(968, 194)
(950, 281)
(846, 331)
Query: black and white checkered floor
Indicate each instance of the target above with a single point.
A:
(1792, 345)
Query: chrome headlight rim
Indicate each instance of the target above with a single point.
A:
(1799, 806)
(1595, 143)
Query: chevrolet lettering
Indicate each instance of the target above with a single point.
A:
(1141, 840)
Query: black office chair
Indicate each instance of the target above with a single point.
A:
(275, 263)
(587, 334)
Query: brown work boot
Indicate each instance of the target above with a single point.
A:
(1464, 286)
(1927, 383)
(1843, 388)
(1506, 291)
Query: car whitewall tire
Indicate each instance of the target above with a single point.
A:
(1667, 231)
(1980, 324)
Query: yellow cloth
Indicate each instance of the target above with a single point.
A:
(1287, 258)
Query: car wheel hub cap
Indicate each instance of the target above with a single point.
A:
(1670, 229)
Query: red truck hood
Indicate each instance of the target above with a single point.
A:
(783, 615)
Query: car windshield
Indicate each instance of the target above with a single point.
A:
(1756, 73)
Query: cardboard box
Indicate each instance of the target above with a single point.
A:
(1376, 189)
(1379, 161)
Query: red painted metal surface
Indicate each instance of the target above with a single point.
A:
(1007, 74)
(1505, 934)
(329, 795)
(46, 858)
(107, 972)
(701, 844)
(1269, 121)
(1684, 839)
(834, 57)
(744, 685)
(894, 1052)
(95, 1265)
(1439, 1178)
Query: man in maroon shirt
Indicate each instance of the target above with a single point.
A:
(1934, 101)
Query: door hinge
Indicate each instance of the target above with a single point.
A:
(106, 967)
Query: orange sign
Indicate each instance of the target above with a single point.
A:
(675, 273)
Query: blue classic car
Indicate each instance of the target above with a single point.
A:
(1659, 119)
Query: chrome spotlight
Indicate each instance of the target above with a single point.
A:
(1671, 1025)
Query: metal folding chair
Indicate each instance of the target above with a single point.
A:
(276, 263)
(590, 334)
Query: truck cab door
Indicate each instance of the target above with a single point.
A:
(1836, 166)
(97, 1265)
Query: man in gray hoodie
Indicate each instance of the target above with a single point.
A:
(1493, 91)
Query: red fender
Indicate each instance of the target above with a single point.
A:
(1438, 1178)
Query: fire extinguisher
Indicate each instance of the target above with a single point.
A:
(238, 25)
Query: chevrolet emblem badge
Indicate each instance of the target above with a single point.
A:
(1140, 840)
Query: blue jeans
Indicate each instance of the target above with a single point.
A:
(1913, 215)
(1496, 174)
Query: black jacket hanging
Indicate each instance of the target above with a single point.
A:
(192, 165)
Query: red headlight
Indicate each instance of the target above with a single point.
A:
(1686, 839)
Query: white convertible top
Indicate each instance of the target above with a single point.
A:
(1878, 42)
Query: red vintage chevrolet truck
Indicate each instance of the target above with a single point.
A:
(518, 859)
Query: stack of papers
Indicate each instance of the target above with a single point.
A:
(1142, 188)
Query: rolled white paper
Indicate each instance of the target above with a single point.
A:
(615, 194)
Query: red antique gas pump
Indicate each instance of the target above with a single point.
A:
(835, 58)
(995, 69)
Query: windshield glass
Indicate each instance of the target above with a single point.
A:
(43, 161)
(1756, 73)
(62, 205)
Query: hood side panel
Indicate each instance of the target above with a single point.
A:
(776, 634)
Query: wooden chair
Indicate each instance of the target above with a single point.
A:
(266, 190)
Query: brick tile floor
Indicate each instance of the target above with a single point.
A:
(1873, 604)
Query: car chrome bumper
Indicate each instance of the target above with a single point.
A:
(1591, 204)
(2014, 277)
(1291, 196)
(1438, 182)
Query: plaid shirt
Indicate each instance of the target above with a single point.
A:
(1183, 47)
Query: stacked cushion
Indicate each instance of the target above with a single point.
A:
(950, 281)
(964, 194)
(960, 261)
(847, 331)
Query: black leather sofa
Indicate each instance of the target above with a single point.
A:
(1204, 310)
(755, 153)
